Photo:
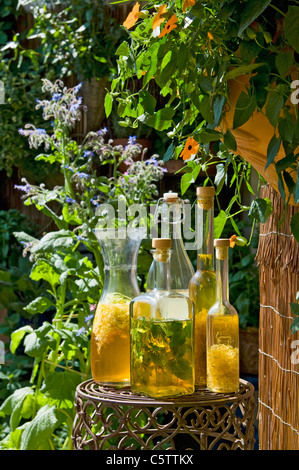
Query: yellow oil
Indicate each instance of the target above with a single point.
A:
(203, 295)
(110, 344)
(223, 353)
(162, 357)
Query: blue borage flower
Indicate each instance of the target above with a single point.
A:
(80, 238)
(88, 153)
(132, 140)
(56, 96)
(70, 200)
(26, 188)
(81, 330)
(103, 131)
(81, 174)
(77, 87)
(67, 167)
(89, 318)
(95, 202)
(74, 106)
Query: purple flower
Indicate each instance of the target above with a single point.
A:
(88, 153)
(26, 188)
(56, 96)
(81, 174)
(41, 131)
(77, 87)
(70, 200)
(89, 318)
(21, 132)
(132, 140)
(74, 106)
(103, 131)
(80, 331)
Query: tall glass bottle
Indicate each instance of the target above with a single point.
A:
(222, 330)
(171, 209)
(162, 359)
(110, 339)
(202, 287)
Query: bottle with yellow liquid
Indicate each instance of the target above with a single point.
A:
(222, 330)
(202, 287)
(170, 211)
(162, 359)
(110, 339)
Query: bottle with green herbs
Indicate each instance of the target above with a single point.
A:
(222, 330)
(202, 287)
(161, 334)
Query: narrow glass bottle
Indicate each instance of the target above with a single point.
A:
(202, 287)
(222, 330)
(162, 359)
(171, 210)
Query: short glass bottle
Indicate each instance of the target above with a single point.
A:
(222, 330)
(110, 339)
(162, 359)
(202, 287)
(170, 210)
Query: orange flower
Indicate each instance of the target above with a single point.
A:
(170, 25)
(187, 4)
(191, 148)
(210, 36)
(132, 16)
(232, 241)
(159, 18)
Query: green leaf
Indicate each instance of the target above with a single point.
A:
(40, 429)
(42, 270)
(294, 308)
(108, 104)
(36, 343)
(260, 209)
(54, 241)
(60, 388)
(272, 150)
(245, 106)
(189, 178)
(295, 226)
(230, 141)
(285, 162)
(296, 191)
(250, 11)
(18, 335)
(283, 62)
(14, 404)
(241, 70)
(220, 176)
(219, 224)
(291, 22)
(169, 152)
(273, 106)
(147, 101)
(205, 136)
(123, 49)
(160, 120)
(38, 305)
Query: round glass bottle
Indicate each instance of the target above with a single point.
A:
(110, 339)
(162, 358)
(202, 287)
(170, 209)
(222, 330)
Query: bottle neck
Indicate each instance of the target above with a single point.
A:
(205, 236)
(161, 271)
(171, 221)
(222, 284)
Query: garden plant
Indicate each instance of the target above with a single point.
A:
(69, 264)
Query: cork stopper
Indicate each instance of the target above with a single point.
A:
(162, 246)
(221, 247)
(205, 197)
(170, 197)
(162, 243)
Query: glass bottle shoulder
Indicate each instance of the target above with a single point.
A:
(205, 278)
(162, 304)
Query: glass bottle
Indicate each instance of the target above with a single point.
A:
(202, 287)
(171, 208)
(162, 359)
(222, 330)
(110, 339)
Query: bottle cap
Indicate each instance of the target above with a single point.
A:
(170, 197)
(221, 247)
(222, 242)
(162, 243)
(205, 191)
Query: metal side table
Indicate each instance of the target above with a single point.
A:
(109, 418)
